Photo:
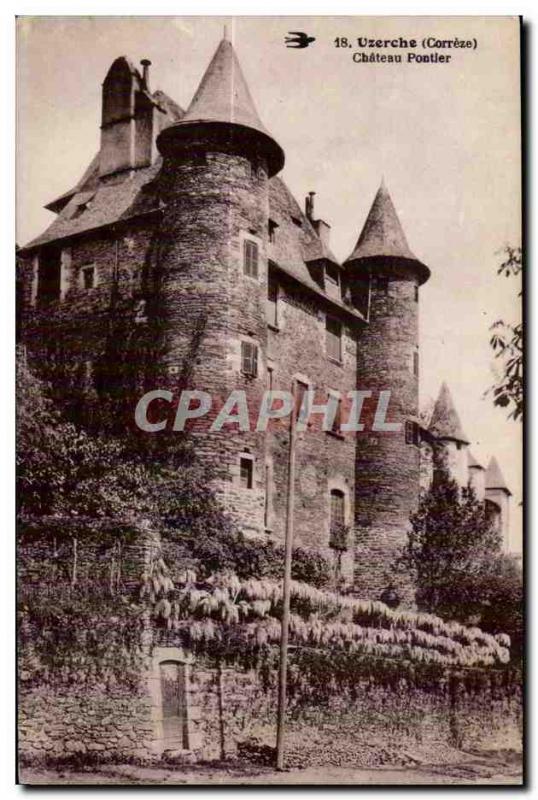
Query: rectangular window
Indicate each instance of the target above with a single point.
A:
(87, 277)
(338, 416)
(415, 363)
(416, 294)
(250, 258)
(246, 473)
(249, 359)
(412, 433)
(300, 390)
(49, 275)
(272, 303)
(271, 230)
(333, 338)
(338, 531)
(267, 496)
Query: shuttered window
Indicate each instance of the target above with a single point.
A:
(249, 359)
(250, 258)
(337, 509)
(333, 338)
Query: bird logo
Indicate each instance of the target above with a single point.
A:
(298, 39)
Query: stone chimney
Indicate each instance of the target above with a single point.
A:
(322, 228)
(146, 64)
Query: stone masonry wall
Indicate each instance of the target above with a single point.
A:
(324, 460)
(230, 708)
(387, 467)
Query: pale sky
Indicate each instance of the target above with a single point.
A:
(446, 138)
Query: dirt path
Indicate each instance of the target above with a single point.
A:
(491, 768)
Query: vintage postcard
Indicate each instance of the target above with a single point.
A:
(269, 353)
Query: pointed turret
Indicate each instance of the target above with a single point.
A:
(383, 241)
(223, 107)
(494, 477)
(473, 463)
(445, 422)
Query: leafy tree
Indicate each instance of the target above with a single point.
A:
(450, 538)
(499, 600)
(507, 344)
(64, 471)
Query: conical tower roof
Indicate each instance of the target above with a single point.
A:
(223, 100)
(494, 477)
(382, 236)
(223, 94)
(472, 463)
(445, 422)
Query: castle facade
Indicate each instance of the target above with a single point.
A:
(181, 260)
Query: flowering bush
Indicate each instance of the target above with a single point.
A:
(225, 612)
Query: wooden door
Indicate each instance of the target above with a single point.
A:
(173, 700)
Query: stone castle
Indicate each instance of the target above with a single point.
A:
(182, 257)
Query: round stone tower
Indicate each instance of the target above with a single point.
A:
(387, 461)
(212, 269)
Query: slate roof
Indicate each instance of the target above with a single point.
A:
(319, 250)
(89, 178)
(223, 94)
(445, 422)
(108, 203)
(126, 195)
(494, 477)
(295, 242)
(383, 235)
(224, 98)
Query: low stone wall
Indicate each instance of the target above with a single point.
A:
(380, 724)
(62, 722)
(228, 709)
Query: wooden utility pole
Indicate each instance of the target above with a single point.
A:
(282, 677)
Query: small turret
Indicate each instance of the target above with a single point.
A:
(498, 500)
(450, 453)
(383, 269)
(382, 245)
(445, 421)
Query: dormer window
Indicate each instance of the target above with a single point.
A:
(332, 274)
